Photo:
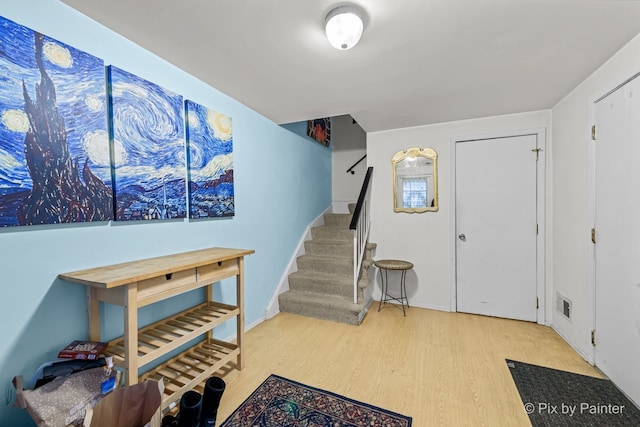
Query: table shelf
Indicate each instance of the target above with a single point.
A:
(173, 332)
(191, 368)
(136, 284)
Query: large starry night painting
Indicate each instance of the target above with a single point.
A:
(149, 154)
(54, 144)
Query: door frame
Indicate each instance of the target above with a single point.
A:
(591, 203)
(540, 134)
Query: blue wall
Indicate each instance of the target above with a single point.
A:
(282, 183)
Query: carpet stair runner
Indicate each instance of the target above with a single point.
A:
(323, 285)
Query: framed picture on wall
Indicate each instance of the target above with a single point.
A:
(320, 130)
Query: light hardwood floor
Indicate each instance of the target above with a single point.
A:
(442, 369)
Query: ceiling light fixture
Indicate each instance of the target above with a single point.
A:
(344, 26)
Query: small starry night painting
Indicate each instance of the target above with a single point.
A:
(54, 146)
(210, 159)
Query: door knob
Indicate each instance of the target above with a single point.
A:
(462, 237)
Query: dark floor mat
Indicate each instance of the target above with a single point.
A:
(559, 398)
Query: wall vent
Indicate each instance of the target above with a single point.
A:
(563, 305)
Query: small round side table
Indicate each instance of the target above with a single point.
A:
(393, 264)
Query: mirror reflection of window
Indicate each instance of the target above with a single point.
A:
(414, 192)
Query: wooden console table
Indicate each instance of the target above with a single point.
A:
(139, 283)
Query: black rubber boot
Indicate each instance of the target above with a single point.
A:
(190, 407)
(169, 421)
(213, 389)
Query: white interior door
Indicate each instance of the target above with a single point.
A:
(496, 227)
(617, 248)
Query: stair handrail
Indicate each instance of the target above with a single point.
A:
(356, 164)
(361, 223)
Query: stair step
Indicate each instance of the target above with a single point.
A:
(323, 285)
(330, 248)
(330, 232)
(329, 284)
(317, 264)
(320, 306)
(337, 220)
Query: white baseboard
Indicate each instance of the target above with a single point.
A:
(426, 306)
(273, 307)
(431, 307)
(247, 328)
(364, 310)
(377, 295)
(588, 358)
(368, 298)
(254, 324)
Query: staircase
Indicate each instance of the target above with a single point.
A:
(323, 285)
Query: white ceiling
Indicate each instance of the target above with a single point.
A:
(419, 61)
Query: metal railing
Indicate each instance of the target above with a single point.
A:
(350, 170)
(360, 224)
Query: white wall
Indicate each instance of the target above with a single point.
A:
(572, 208)
(348, 142)
(424, 238)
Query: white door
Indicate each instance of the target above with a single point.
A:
(496, 227)
(617, 248)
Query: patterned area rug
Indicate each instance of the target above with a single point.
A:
(282, 402)
(559, 398)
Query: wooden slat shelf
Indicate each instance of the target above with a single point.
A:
(190, 369)
(135, 284)
(164, 336)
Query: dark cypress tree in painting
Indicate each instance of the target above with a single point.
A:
(59, 193)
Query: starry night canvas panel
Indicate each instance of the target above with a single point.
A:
(210, 162)
(148, 145)
(54, 144)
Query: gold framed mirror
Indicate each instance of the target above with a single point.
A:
(415, 180)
